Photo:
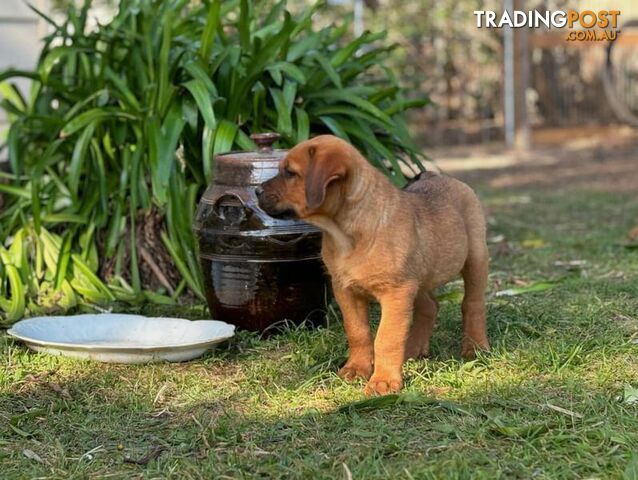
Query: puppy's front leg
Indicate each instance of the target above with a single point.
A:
(354, 308)
(397, 307)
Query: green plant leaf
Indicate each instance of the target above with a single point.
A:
(15, 151)
(35, 198)
(356, 100)
(346, 111)
(345, 53)
(531, 288)
(93, 116)
(329, 69)
(183, 269)
(63, 218)
(116, 225)
(158, 298)
(163, 97)
(212, 25)
(303, 124)
(164, 143)
(63, 260)
(208, 136)
(52, 58)
(78, 157)
(198, 72)
(289, 69)
(334, 126)
(406, 105)
(12, 73)
(95, 282)
(100, 96)
(16, 191)
(284, 119)
(243, 25)
(14, 306)
(200, 94)
(224, 137)
(42, 15)
(10, 92)
(244, 141)
(123, 88)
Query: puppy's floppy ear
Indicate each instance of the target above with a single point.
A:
(321, 173)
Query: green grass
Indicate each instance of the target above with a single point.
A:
(546, 403)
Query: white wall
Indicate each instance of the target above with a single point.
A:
(20, 34)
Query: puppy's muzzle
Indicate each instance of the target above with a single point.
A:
(269, 203)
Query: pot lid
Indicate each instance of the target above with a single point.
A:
(250, 168)
(264, 142)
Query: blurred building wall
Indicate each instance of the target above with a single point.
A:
(20, 33)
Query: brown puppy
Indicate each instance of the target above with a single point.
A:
(395, 246)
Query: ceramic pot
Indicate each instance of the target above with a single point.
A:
(258, 270)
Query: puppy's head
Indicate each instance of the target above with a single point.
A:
(310, 179)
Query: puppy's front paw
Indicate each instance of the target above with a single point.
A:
(351, 371)
(381, 385)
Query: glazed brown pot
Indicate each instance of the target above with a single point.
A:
(258, 270)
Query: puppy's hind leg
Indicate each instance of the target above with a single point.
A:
(425, 309)
(475, 273)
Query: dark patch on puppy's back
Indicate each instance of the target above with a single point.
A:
(423, 182)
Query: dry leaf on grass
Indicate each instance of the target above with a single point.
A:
(154, 454)
(630, 395)
(31, 455)
(63, 392)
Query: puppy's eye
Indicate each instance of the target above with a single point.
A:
(289, 173)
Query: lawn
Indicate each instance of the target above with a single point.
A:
(552, 399)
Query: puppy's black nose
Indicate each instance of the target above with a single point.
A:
(259, 191)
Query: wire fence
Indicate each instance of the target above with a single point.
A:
(565, 79)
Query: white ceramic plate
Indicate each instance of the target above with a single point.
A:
(121, 338)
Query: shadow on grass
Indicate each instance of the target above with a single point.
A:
(268, 408)
(95, 432)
